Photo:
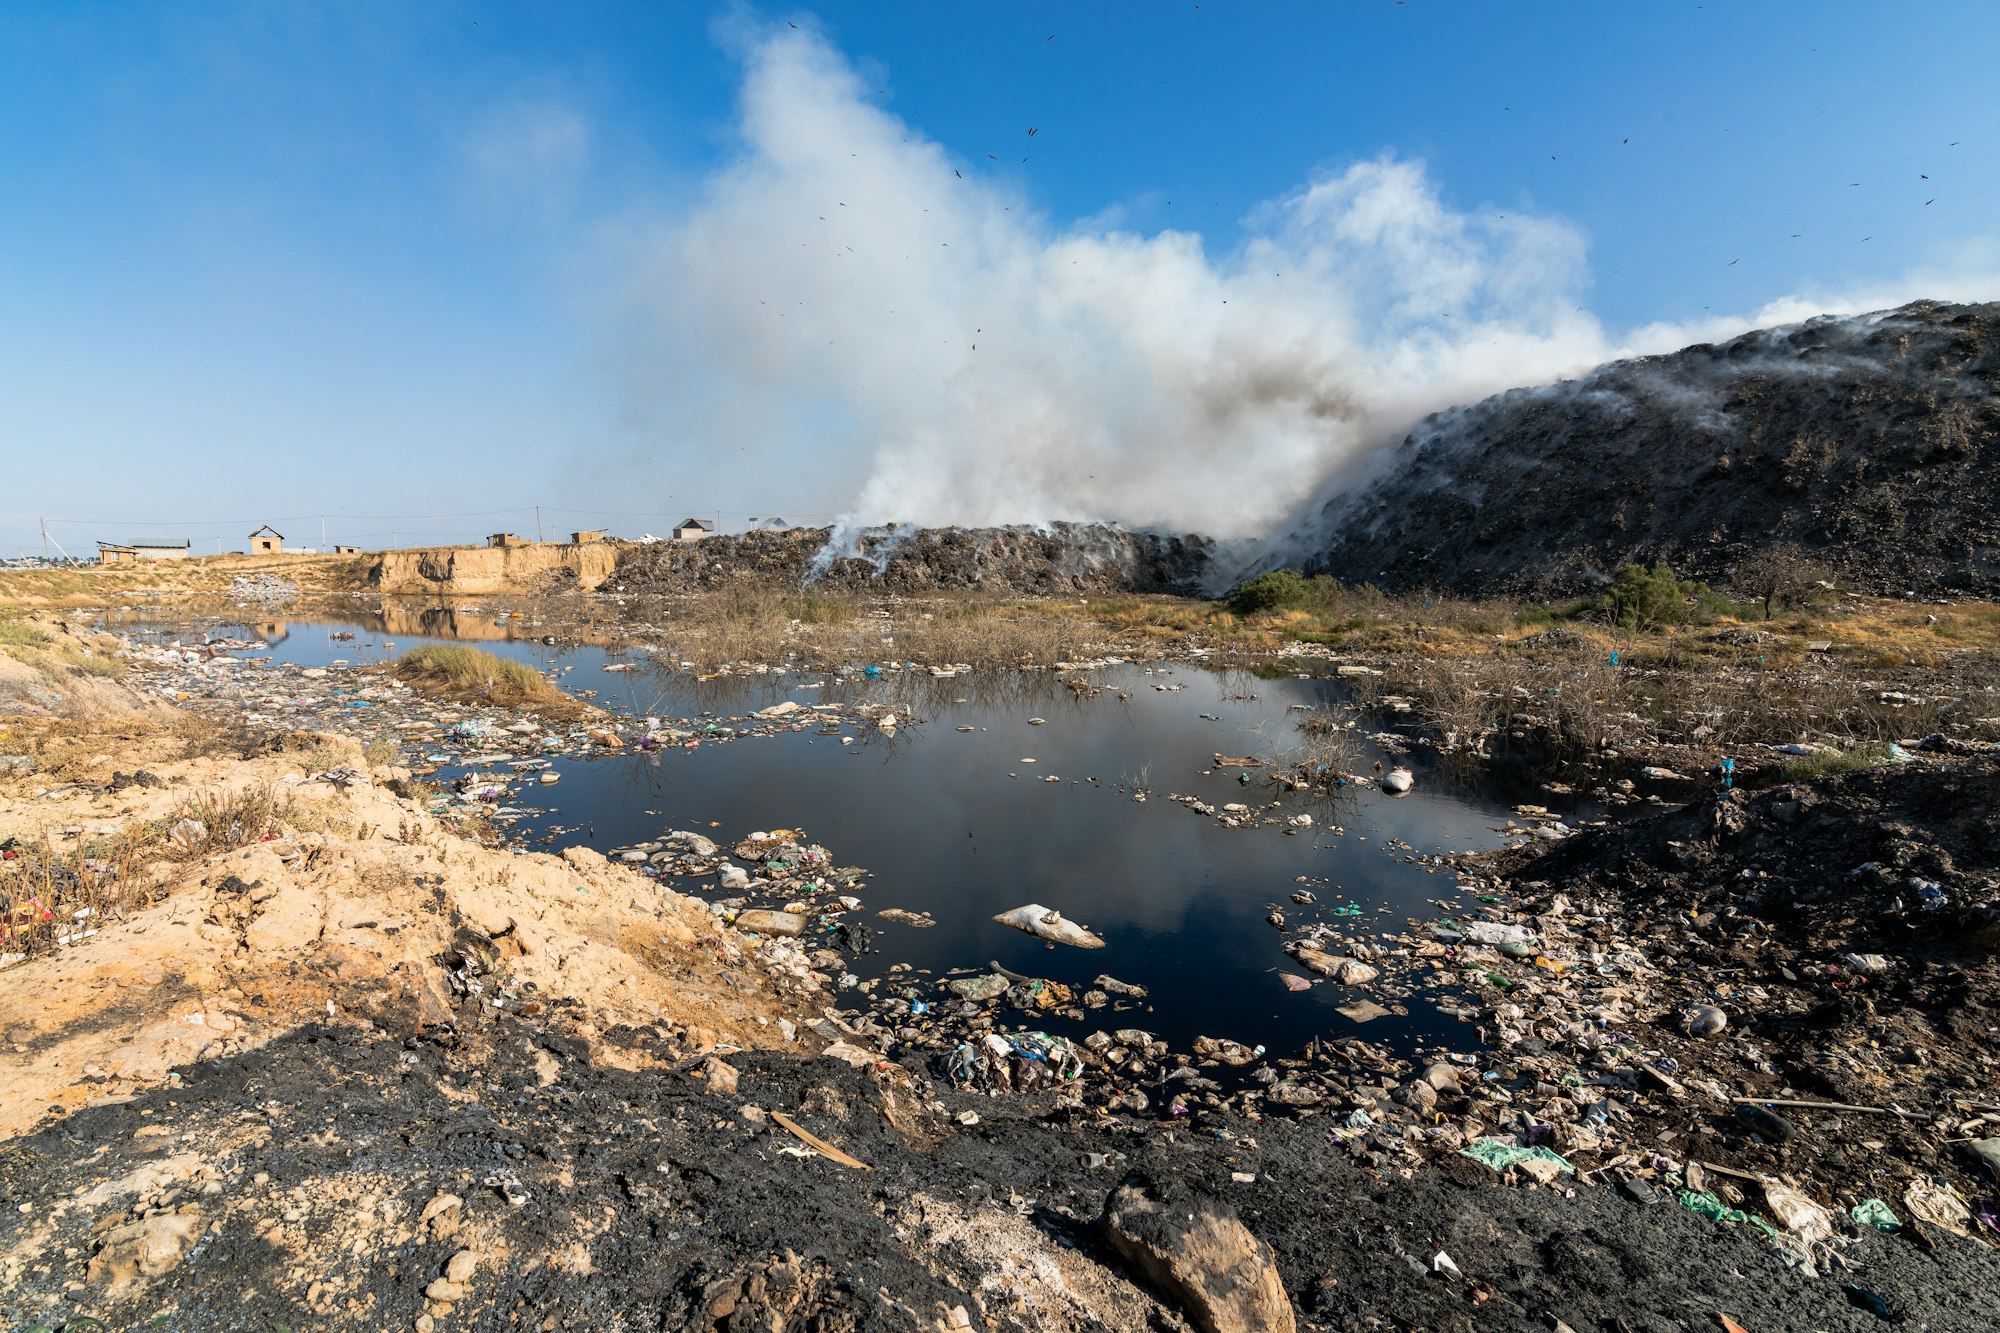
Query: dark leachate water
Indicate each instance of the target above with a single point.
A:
(963, 825)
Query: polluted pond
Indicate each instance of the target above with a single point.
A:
(921, 826)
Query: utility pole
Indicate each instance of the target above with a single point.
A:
(45, 537)
(322, 534)
(538, 525)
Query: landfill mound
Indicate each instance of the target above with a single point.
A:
(1055, 560)
(1871, 443)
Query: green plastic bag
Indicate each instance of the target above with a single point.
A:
(1715, 1210)
(1875, 1213)
(1498, 1154)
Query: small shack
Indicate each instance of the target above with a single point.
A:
(693, 530)
(143, 549)
(267, 540)
(504, 539)
(589, 535)
(347, 550)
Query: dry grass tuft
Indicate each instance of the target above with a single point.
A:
(473, 675)
(214, 822)
(49, 895)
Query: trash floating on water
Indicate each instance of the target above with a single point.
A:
(1049, 924)
(1398, 780)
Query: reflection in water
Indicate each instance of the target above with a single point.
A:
(964, 824)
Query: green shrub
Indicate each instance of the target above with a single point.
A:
(1289, 590)
(1273, 590)
(1642, 599)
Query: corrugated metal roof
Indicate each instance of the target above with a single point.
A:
(175, 543)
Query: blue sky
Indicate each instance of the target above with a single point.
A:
(417, 268)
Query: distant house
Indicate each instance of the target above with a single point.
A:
(589, 535)
(772, 524)
(504, 539)
(143, 549)
(693, 530)
(267, 540)
(347, 550)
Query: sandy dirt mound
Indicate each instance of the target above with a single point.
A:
(51, 667)
(358, 905)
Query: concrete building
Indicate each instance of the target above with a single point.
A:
(347, 550)
(267, 540)
(505, 539)
(589, 535)
(693, 530)
(143, 549)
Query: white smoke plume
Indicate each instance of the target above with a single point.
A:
(850, 301)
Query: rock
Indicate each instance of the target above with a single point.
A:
(439, 1206)
(460, 1268)
(1766, 1123)
(490, 920)
(1704, 1020)
(720, 1076)
(1986, 1152)
(129, 1253)
(735, 877)
(444, 1289)
(788, 924)
(1202, 1255)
